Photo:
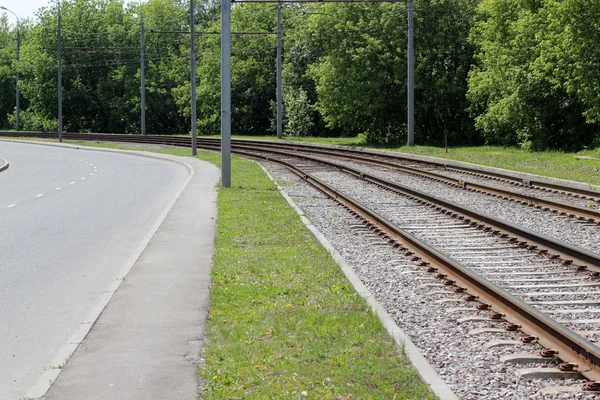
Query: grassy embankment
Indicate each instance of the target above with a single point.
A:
(284, 322)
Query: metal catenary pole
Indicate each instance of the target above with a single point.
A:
(226, 93)
(143, 75)
(17, 92)
(226, 73)
(193, 75)
(411, 77)
(279, 83)
(60, 121)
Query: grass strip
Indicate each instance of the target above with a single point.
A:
(284, 322)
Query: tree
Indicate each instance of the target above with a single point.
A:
(519, 90)
(360, 69)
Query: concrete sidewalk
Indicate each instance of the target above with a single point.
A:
(145, 343)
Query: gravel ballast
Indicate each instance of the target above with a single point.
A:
(471, 371)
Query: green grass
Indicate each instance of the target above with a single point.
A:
(283, 321)
(548, 163)
(283, 318)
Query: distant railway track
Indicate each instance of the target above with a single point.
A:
(579, 203)
(518, 275)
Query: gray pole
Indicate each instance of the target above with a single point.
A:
(60, 121)
(17, 92)
(193, 75)
(411, 78)
(279, 84)
(226, 93)
(17, 88)
(143, 74)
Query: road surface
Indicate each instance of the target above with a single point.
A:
(69, 221)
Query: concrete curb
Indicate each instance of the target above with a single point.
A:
(425, 370)
(444, 161)
(3, 164)
(44, 382)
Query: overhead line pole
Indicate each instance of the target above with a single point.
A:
(279, 82)
(411, 77)
(143, 75)
(225, 93)
(226, 72)
(60, 121)
(193, 75)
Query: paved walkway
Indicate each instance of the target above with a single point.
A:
(145, 343)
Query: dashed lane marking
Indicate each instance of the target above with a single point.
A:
(40, 195)
(58, 188)
(11, 206)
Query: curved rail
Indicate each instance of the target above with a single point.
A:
(551, 334)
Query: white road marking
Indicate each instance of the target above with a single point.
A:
(83, 178)
(91, 174)
(40, 195)
(72, 183)
(12, 205)
(58, 188)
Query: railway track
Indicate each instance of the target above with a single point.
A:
(544, 288)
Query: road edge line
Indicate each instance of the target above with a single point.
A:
(49, 375)
(436, 384)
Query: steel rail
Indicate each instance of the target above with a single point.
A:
(470, 170)
(550, 334)
(524, 236)
(591, 215)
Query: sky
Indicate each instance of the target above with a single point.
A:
(24, 8)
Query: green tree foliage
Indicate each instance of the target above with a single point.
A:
(529, 88)
(253, 73)
(510, 72)
(8, 36)
(7, 76)
(356, 57)
(101, 67)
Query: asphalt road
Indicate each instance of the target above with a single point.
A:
(69, 221)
